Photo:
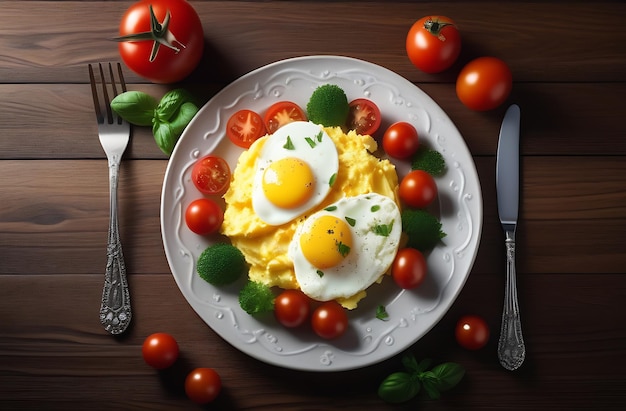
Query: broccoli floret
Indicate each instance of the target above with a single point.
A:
(221, 264)
(422, 228)
(429, 160)
(328, 106)
(256, 298)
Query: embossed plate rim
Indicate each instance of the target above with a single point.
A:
(412, 313)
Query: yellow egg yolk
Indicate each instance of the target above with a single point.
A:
(327, 243)
(288, 182)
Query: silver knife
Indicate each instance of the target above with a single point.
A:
(511, 349)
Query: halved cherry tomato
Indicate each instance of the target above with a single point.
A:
(401, 140)
(329, 320)
(363, 117)
(292, 308)
(472, 332)
(418, 189)
(160, 350)
(203, 385)
(484, 83)
(204, 216)
(282, 113)
(211, 175)
(433, 44)
(409, 268)
(245, 127)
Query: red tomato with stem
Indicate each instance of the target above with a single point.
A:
(211, 175)
(484, 83)
(472, 332)
(292, 308)
(409, 268)
(363, 117)
(433, 43)
(330, 320)
(282, 113)
(401, 140)
(180, 45)
(418, 189)
(203, 385)
(204, 216)
(160, 350)
(245, 127)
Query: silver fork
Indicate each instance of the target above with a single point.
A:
(114, 132)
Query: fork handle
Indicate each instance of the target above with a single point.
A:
(115, 312)
(511, 348)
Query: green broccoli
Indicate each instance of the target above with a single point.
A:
(429, 160)
(328, 106)
(256, 298)
(422, 228)
(221, 264)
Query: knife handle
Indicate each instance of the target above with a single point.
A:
(511, 348)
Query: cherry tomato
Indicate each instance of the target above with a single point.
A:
(418, 189)
(203, 385)
(282, 113)
(172, 62)
(292, 308)
(433, 44)
(329, 320)
(160, 350)
(204, 216)
(484, 83)
(401, 140)
(363, 117)
(472, 332)
(245, 127)
(409, 268)
(211, 175)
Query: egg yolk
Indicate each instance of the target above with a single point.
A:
(327, 243)
(288, 182)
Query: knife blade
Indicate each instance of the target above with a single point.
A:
(511, 348)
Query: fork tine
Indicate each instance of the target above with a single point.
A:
(94, 94)
(107, 102)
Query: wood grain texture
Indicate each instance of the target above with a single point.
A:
(569, 66)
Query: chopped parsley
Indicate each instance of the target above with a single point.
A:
(331, 208)
(350, 221)
(375, 208)
(320, 273)
(343, 249)
(381, 313)
(319, 136)
(310, 141)
(332, 180)
(383, 229)
(289, 144)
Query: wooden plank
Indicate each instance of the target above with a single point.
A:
(57, 121)
(83, 365)
(549, 48)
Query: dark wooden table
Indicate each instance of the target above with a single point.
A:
(569, 66)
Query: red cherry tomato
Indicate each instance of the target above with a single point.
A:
(363, 117)
(211, 175)
(401, 140)
(329, 320)
(204, 216)
(292, 308)
(169, 64)
(282, 113)
(409, 268)
(160, 350)
(484, 84)
(472, 332)
(203, 385)
(433, 44)
(418, 189)
(245, 127)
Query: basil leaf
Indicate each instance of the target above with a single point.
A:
(398, 387)
(171, 102)
(448, 375)
(430, 386)
(135, 107)
(166, 134)
(410, 363)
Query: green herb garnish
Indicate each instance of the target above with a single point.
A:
(319, 136)
(332, 180)
(375, 208)
(289, 144)
(381, 313)
(383, 229)
(331, 208)
(310, 141)
(343, 249)
(428, 160)
(320, 273)
(350, 221)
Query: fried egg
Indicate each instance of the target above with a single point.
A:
(294, 172)
(342, 249)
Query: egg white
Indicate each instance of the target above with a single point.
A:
(371, 254)
(323, 160)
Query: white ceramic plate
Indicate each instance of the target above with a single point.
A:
(411, 313)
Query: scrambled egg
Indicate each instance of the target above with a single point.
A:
(265, 247)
